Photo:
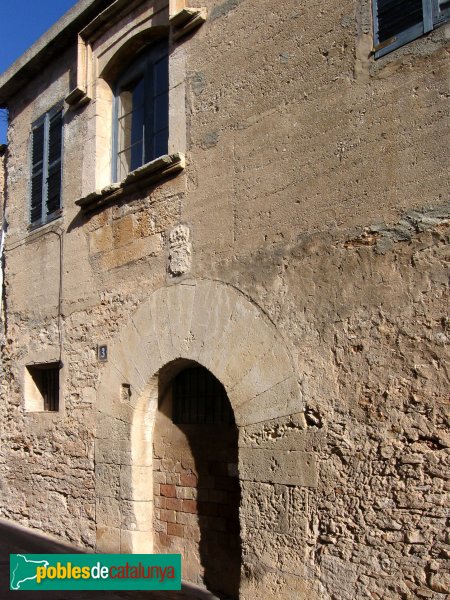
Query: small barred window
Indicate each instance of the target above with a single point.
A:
(42, 387)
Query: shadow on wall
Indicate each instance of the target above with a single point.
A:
(15, 539)
(197, 493)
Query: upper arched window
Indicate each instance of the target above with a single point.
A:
(141, 112)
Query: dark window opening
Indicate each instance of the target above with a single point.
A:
(397, 22)
(46, 381)
(200, 399)
(142, 111)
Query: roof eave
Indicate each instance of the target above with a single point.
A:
(53, 42)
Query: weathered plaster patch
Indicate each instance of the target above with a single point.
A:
(382, 236)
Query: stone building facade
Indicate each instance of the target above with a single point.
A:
(282, 259)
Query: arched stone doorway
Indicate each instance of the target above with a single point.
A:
(196, 485)
(216, 326)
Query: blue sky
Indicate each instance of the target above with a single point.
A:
(21, 24)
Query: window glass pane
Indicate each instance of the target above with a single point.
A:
(138, 94)
(136, 159)
(143, 111)
(160, 143)
(129, 159)
(131, 127)
(137, 125)
(161, 112)
(126, 102)
(124, 132)
(124, 161)
(160, 76)
(441, 11)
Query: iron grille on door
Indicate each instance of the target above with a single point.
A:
(200, 399)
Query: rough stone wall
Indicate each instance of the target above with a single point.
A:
(2, 231)
(315, 185)
(374, 379)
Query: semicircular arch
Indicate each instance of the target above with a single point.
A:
(204, 321)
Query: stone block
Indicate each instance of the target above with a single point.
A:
(108, 510)
(149, 247)
(160, 320)
(250, 338)
(186, 493)
(190, 506)
(112, 428)
(181, 303)
(188, 479)
(101, 240)
(272, 368)
(108, 540)
(136, 515)
(136, 483)
(107, 480)
(123, 230)
(219, 311)
(284, 398)
(128, 355)
(136, 542)
(289, 467)
(173, 504)
(168, 516)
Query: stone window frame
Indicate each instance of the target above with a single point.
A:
(111, 40)
(35, 400)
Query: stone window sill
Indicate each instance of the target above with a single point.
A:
(154, 171)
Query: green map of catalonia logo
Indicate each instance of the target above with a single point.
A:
(22, 569)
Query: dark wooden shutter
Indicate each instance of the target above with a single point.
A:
(54, 164)
(397, 22)
(37, 172)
